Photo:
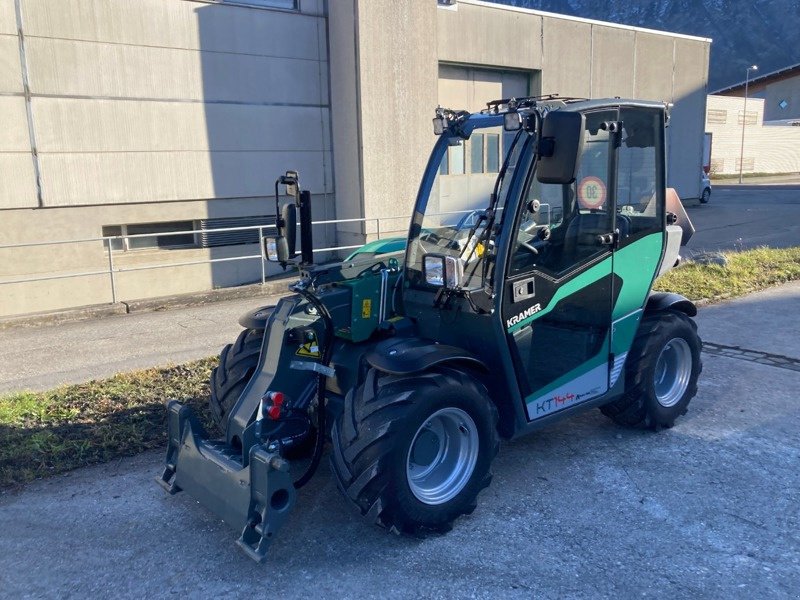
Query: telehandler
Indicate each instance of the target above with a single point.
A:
(521, 296)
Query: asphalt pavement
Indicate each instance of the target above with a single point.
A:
(584, 509)
(746, 216)
(43, 357)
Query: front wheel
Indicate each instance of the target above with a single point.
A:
(706, 196)
(661, 372)
(237, 363)
(413, 452)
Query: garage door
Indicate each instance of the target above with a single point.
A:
(471, 88)
(469, 170)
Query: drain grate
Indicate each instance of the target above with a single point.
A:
(756, 356)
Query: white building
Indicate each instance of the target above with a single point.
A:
(769, 147)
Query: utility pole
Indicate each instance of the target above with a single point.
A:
(744, 118)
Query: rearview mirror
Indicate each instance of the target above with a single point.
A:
(276, 250)
(560, 147)
(443, 271)
(288, 228)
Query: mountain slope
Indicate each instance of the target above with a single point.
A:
(766, 33)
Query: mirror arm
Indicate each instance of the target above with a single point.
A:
(278, 219)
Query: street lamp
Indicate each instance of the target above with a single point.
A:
(744, 118)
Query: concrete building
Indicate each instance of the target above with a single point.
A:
(769, 147)
(133, 118)
(780, 91)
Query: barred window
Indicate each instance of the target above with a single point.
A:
(717, 115)
(751, 117)
(165, 235)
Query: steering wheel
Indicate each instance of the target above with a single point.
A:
(439, 241)
(527, 246)
(469, 219)
(543, 235)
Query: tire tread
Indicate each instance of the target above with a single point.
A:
(364, 437)
(632, 408)
(237, 363)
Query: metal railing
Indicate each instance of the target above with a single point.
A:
(113, 269)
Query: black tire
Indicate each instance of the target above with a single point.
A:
(706, 196)
(640, 406)
(237, 363)
(372, 439)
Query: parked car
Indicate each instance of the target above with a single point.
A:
(705, 186)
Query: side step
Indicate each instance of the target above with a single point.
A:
(255, 498)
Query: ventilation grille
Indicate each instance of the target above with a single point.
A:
(616, 369)
(210, 239)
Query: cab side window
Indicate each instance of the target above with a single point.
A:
(639, 200)
(574, 215)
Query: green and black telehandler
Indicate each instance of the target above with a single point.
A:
(520, 296)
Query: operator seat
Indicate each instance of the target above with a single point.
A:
(580, 238)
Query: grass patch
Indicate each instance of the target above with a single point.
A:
(746, 272)
(45, 433)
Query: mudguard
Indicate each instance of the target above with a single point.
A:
(256, 319)
(405, 356)
(667, 300)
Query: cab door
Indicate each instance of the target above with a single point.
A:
(560, 281)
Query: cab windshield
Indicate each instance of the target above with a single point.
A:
(453, 218)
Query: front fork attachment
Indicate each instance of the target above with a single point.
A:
(257, 497)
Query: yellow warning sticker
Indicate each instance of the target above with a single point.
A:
(310, 349)
(366, 308)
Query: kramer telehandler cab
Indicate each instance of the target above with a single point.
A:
(521, 297)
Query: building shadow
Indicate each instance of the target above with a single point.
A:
(266, 108)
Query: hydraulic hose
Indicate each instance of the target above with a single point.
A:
(327, 351)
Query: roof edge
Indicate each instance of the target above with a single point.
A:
(759, 79)
(541, 13)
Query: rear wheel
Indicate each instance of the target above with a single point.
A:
(237, 363)
(413, 452)
(661, 372)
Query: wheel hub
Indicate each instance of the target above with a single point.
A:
(426, 449)
(673, 372)
(442, 456)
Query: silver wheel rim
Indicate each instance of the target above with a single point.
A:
(706, 195)
(442, 456)
(673, 372)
